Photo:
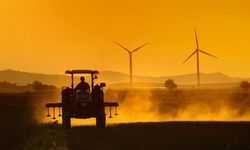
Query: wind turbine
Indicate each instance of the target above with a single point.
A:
(197, 51)
(130, 59)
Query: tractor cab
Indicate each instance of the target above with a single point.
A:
(80, 104)
(93, 75)
(85, 94)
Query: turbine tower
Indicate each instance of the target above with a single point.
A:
(130, 59)
(197, 51)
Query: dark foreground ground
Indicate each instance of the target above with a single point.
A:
(20, 130)
(145, 136)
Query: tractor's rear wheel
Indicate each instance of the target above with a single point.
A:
(66, 121)
(101, 121)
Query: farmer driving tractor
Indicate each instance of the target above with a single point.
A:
(83, 101)
(82, 86)
(82, 90)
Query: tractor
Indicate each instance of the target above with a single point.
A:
(73, 105)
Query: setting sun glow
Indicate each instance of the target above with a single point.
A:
(50, 36)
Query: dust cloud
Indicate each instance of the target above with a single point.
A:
(159, 105)
(40, 112)
(181, 105)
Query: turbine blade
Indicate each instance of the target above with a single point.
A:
(196, 38)
(122, 46)
(139, 48)
(208, 54)
(190, 56)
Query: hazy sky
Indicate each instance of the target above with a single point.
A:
(50, 36)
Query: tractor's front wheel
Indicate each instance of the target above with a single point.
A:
(66, 121)
(101, 121)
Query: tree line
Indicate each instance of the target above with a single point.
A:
(171, 85)
(36, 86)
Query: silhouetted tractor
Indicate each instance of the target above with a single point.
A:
(82, 107)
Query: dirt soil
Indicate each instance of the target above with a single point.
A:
(166, 135)
(137, 136)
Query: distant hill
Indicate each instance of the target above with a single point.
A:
(112, 77)
(22, 78)
(209, 78)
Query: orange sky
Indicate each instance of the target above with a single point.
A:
(50, 36)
